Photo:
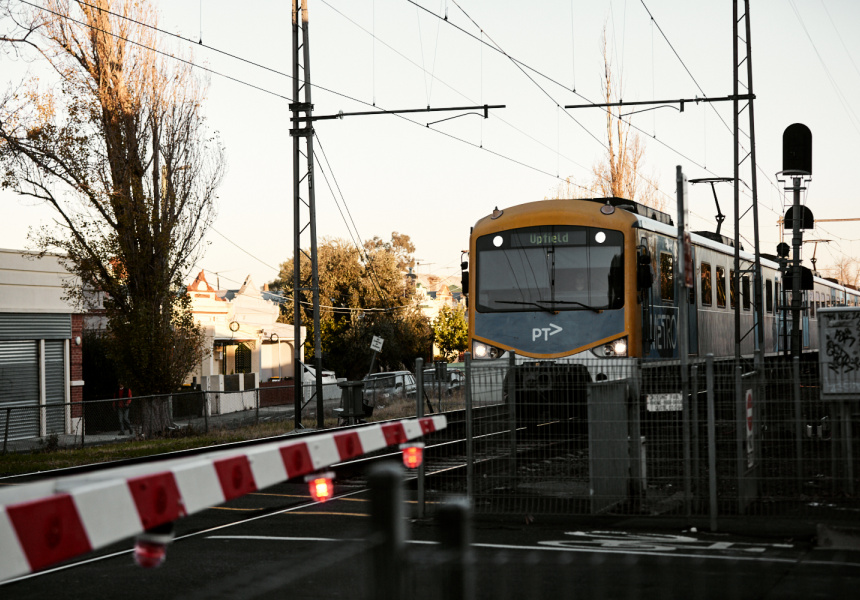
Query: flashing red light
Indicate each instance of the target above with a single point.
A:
(321, 486)
(413, 454)
(149, 554)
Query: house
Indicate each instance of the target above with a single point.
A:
(41, 384)
(243, 333)
(434, 292)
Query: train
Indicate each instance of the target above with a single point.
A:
(595, 281)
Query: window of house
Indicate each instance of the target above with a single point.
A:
(705, 278)
(721, 286)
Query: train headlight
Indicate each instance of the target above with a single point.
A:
(612, 349)
(481, 350)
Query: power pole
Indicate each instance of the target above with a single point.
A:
(304, 221)
(744, 41)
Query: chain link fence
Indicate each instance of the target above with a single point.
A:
(553, 438)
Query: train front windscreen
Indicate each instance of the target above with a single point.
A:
(551, 269)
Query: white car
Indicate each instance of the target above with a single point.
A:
(385, 386)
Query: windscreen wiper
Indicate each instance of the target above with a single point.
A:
(536, 304)
(541, 304)
(594, 308)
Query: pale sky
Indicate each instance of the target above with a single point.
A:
(435, 183)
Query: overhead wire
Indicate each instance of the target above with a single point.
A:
(520, 65)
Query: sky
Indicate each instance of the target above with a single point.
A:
(433, 182)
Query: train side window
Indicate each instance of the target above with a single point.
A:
(667, 277)
(733, 292)
(721, 287)
(812, 305)
(745, 292)
(768, 296)
(707, 297)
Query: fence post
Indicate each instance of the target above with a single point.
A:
(6, 432)
(456, 545)
(386, 511)
(694, 432)
(206, 411)
(83, 421)
(512, 412)
(257, 406)
(419, 412)
(798, 420)
(470, 448)
(712, 440)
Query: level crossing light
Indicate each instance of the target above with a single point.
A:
(321, 486)
(413, 454)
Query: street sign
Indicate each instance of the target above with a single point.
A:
(376, 344)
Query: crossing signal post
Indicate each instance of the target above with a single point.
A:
(797, 164)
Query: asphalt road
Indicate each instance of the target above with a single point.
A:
(277, 544)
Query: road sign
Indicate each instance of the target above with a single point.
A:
(376, 344)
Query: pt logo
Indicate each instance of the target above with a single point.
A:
(545, 332)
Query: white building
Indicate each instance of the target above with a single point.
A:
(40, 347)
(242, 330)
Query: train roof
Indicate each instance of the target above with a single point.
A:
(634, 207)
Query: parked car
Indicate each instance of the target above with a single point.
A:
(387, 386)
(454, 380)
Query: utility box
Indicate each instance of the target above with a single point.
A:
(352, 406)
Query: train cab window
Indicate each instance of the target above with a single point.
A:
(667, 277)
(768, 296)
(745, 292)
(707, 293)
(733, 292)
(721, 287)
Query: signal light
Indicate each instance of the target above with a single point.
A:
(413, 454)
(149, 554)
(150, 547)
(321, 486)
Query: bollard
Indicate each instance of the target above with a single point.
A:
(389, 531)
(456, 541)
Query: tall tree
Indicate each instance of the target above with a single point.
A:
(362, 293)
(119, 148)
(620, 172)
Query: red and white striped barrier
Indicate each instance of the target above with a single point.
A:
(50, 521)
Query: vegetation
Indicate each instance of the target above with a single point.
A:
(118, 147)
(362, 294)
(452, 331)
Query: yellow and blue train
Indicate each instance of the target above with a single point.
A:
(565, 280)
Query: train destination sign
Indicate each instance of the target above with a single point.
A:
(548, 237)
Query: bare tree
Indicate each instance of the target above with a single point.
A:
(119, 148)
(619, 173)
(845, 269)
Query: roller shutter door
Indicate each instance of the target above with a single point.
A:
(55, 386)
(19, 388)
